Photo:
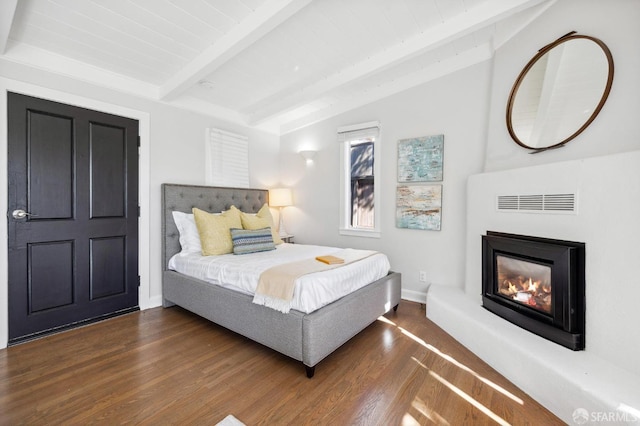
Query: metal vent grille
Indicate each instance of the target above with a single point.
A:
(538, 203)
(560, 202)
(508, 202)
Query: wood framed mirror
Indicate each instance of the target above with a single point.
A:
(559, 92)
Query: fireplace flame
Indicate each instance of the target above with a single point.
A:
(528, 291)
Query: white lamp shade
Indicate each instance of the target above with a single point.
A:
(280, 197)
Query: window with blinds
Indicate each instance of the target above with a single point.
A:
(227, 159)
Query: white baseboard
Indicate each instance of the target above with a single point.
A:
(414, 296)
(152, 302)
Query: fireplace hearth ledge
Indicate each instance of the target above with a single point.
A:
(564, 380)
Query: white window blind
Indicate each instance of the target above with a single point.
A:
(356, 132)
(227, 159)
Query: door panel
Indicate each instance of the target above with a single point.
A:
(108, 267)
(51, 280)
(108, 169)
(75, 258)
(50, 151)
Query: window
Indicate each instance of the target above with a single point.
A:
(359, 194)
(362, 184)
(227, 159)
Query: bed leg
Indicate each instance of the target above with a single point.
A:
(310, 371)
(395, 308)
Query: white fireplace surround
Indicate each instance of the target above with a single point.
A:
(604, 377)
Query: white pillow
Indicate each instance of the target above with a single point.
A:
(189, 237)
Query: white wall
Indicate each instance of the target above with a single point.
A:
(617, 127)
(607, 185)
(604, 377)
(469, 107)
(608, 189)
(172, 151)
(455, 106)
(601, 166)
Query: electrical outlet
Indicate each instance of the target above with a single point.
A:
(423, 276)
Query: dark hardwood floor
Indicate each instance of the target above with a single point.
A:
(168, 366)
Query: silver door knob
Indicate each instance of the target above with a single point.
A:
(21, 214)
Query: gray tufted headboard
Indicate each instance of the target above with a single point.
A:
(209, 198)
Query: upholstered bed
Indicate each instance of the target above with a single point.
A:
(308, 338)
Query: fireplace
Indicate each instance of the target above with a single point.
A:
(537, 284)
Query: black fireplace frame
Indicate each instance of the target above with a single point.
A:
(565, 324)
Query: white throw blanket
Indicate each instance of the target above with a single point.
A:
(276, 285)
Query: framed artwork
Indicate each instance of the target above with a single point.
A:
(421, 159)
(419, 207)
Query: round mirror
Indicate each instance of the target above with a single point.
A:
(559, 92)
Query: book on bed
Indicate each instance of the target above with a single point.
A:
(330, 260)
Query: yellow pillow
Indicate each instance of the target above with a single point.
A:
(260, 220)
(215, 230)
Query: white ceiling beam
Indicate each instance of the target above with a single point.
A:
(7, 11)
(34, 57)
(504, 33)
(199, 106)
(264, 19)
(473, 19)
(445, 67)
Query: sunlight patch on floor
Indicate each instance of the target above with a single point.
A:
(387, 339)
(385, 319)
(417, 361)
(423, 409)
(461, 366)
(470, 400)
(409, 420)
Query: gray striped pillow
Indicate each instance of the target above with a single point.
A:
(251, 240)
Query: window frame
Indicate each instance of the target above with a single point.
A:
(346, 141)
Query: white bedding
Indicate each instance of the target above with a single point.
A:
(312, 291)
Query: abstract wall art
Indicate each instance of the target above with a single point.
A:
(421, 159)
(419, 207)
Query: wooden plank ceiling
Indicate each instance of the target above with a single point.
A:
(277, 65)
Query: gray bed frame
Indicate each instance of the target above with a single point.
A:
(308, 338)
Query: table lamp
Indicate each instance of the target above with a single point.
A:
(280, 197)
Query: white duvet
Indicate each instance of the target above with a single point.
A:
(312, 291)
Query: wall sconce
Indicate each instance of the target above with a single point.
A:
(280, 197)
(308, 156)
